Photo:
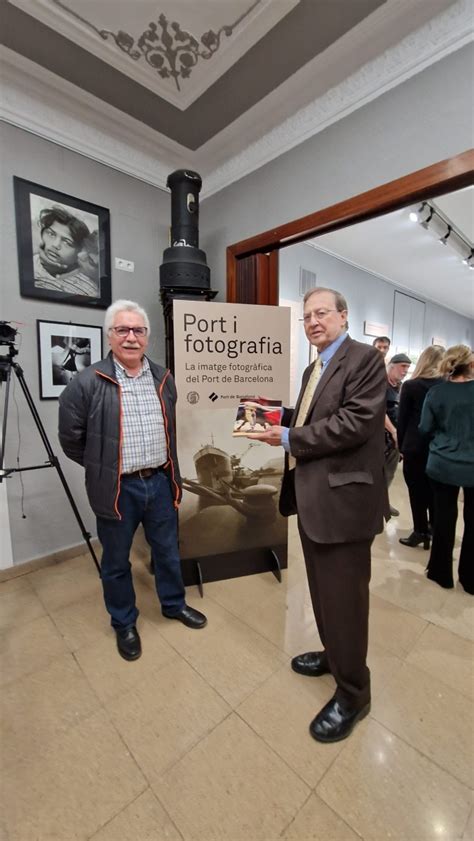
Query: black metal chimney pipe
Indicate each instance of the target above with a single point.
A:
(184, 272)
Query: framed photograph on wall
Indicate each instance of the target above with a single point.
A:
(63, 351)
(63, 247)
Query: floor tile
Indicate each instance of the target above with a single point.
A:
(445, 656)
(457, 613)
(41, 706)
(166, 715)
(281, 710)
(317, 822)
(66, 583)
(287, 620)
(234, 659)
(110, 675)
(393, 628)
(18, 603)
(144, 820)
(468, 833)
(403, 582)
(384, 788)
(83, 623)
(231, 787)
(431, 717)
(183, 638)
(238, 595)
(72, 789)
(29, 647)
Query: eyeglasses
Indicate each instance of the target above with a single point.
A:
(124, 331)
(320, 315)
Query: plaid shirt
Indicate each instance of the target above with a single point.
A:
(143, 430)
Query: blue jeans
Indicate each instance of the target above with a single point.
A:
(146, 501)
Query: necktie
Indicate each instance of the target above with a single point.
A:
(309, 392)
(306, 400)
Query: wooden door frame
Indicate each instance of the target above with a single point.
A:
(448, 175)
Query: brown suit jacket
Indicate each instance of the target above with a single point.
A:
(338, 487)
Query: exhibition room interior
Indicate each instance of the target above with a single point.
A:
(318, 127)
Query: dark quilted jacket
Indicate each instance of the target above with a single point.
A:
(90, 431)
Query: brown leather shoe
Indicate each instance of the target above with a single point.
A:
(313, 663)
(335, 722)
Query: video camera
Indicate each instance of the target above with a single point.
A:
(7, 333)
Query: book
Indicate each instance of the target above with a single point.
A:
(256, 414)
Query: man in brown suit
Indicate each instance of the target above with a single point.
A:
(335, 484)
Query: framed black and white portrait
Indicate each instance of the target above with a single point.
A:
(63, 247)
(63, 351)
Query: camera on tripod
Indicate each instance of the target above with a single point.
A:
(7, 333)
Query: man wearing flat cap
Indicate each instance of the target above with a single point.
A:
(397, 370)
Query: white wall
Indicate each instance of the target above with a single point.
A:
(424, 120)
(139, 220)
(369, 298)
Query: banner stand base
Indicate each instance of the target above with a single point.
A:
(277, 568)
(197, 571)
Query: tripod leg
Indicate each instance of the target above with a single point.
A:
(4, 424)
(54, 461)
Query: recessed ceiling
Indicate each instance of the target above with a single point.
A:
(405, 253)
(222, 86)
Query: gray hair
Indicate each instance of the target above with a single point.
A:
(123, 305)
(339, 300)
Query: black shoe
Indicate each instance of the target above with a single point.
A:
(313, 663)
(415, 538)
(334, 722)
(447, 582)
(394, 512)
(128, 643)
(189, 617)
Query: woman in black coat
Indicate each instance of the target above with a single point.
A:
(413, 447)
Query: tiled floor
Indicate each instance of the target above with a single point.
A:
(206, 736)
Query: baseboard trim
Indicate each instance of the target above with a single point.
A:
(47, 560)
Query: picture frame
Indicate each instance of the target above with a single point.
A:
(63, 246)
(64, 349)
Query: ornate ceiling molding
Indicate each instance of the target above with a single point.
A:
(167, 48)
(443, 35)
(40, 102)
(37, 101)
(164, 55)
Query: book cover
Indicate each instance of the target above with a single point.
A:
(256, 414)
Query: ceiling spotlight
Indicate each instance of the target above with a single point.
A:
(469, 260)
(444, 240)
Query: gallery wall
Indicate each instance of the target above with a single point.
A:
(416, 124)
(369, 298)
(139, 222)
(420, 122)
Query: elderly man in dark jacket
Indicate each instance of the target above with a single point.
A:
(117, 419)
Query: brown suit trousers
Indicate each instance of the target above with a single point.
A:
(338, 578)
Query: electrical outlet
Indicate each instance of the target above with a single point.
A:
(124, 265)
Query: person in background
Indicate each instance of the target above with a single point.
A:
(117, 419)
(447, 418)
(382, 343)
(397, 369)
(334, 482)
(413, 447)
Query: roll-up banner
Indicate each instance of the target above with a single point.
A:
(229, 357)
